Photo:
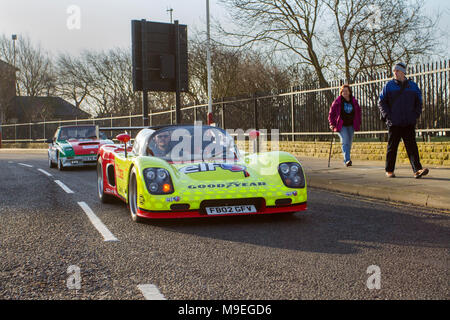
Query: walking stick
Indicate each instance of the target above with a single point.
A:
(331, 147)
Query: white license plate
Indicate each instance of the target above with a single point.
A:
(230, 209)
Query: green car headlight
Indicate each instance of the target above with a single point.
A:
(291, 174)
(158, 181)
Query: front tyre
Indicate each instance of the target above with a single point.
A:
(50, 162)
(132, 196)
(104, 198)
(59, 163)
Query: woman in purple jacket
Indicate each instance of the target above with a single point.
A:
(345, 118)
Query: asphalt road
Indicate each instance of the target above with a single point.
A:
(325, 253)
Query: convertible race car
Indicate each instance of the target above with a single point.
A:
(75, 146)
(182, 171)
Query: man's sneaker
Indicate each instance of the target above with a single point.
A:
(420, 173)
(348, 163)
(390, 175)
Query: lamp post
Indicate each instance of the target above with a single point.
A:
(171, 107)
(208, 64)
(14, 38)
(170, 12)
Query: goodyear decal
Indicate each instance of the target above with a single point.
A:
(227, 185)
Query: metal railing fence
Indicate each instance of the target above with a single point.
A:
(299, 113)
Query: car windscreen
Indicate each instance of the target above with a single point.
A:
(84, 132)
(191, 143)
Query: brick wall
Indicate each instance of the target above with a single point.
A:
(431, 153)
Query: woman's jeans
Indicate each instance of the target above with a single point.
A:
(346, 135)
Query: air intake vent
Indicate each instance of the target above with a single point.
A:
(180, 207)
(283, 202)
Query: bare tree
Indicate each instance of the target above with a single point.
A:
(35, 76)
(286, 25)
(109, 74)
(234, 72)
(402, 32)
(337, 38)
(6, 49)
(350, 30)
(374, 34)
(74, 79)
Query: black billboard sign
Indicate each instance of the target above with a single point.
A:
(159, 60)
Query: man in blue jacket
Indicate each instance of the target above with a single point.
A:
(400, 105)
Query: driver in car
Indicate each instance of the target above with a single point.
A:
(91, 133)
(162, 146)
(63, 135)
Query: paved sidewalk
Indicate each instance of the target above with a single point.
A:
(367, 178)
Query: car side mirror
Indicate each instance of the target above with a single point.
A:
(124, 138)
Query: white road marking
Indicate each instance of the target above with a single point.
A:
(25, 165)
(63, 186)
(98, 224)
(45, 172)
(151, 292)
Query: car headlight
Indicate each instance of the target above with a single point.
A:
(162, 174)
(284, 168)
(158, 181)
(150, 175)
(292, 174)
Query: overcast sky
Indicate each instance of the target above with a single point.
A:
(106, 24)
(103, 24)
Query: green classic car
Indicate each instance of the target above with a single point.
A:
(75, 146)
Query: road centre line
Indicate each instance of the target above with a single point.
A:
(98, 224)
(45, 172)
(63, 186)
(25, 165)
(151, 292)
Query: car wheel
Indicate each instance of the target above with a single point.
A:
(50, 162)
(59, 163)
(132, 196)
(105, 198)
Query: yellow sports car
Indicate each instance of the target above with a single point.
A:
(186, 171)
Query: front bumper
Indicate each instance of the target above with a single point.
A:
(199, 214)
(79, 161)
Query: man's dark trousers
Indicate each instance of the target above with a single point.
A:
(408, 135)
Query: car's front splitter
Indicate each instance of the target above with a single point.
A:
(197, 214)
